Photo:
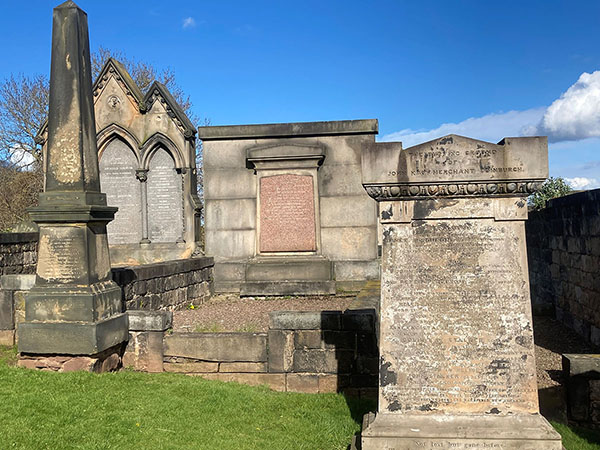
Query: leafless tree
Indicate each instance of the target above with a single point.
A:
(24, 108)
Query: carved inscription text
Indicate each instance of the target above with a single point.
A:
(455, 313)
(287, 214)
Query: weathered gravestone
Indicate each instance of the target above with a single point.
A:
(165, 207)
(74, 309)
(118, 177)
(147, 151)
(457, 365)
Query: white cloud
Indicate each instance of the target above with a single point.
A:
(583, 183)
(572, 117)
(491, 127)
(576, 114)
(188, 22)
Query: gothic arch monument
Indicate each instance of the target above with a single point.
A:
(147, 156)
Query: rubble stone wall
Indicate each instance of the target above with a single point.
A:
(18, 253)
(563, 243)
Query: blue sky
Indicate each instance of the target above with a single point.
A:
(423, 68)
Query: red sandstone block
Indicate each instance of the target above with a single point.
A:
(301, 382)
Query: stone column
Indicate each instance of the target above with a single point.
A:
(74, 308)
(457, 365)
(142, 176)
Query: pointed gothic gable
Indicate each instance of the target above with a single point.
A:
(159, 92)
(114, 69)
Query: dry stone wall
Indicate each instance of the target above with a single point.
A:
(18, 253)
(165, 286)
(564, 257)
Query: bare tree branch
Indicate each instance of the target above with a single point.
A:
(24, 108)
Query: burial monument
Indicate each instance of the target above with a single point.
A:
(73, 314)
(147, 151)
(277, 215)
(457, 368)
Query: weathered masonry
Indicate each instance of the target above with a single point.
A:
(147, 152)
(74, 308)
(457, 365)
(563, 244)
(285, 211)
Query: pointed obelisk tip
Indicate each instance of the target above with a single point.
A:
(67, 4)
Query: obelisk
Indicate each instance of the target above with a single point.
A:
(75, 309)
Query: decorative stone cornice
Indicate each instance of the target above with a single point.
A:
(414, 191)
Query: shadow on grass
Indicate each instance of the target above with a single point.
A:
(359, 407)
(577, 438)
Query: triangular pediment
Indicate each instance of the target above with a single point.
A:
(453, 140)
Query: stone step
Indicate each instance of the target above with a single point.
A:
(289, 269)
(292, 288)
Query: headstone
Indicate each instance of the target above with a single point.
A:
(287, 214)
(74, 307)
(165, 207)
(118, 166)
(457, 366)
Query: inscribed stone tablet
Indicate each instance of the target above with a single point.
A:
(287, 214)
(165, 199)
(61, 257)
(118, 181)
(457, 327)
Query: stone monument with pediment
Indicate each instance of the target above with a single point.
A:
(147, 153)
(277, 201)
(457, 366)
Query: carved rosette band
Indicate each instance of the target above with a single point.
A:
(516, 188)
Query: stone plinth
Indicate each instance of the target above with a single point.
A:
(457, 366)
(74, 309)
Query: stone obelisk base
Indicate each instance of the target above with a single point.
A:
(109, 360)
(415, 432)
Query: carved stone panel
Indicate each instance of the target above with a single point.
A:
(456, 320)
(287, 214)
(117, 177)
(165, 199)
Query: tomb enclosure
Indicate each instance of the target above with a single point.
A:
(457, 365)
(285, 211)
(146, 148)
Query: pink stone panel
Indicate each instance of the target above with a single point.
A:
(287, 214)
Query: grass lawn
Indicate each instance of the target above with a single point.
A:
(127, 410)
(577, 438)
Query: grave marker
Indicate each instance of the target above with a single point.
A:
(457, 365)
(118, 178)
(74, 307)
(165, 207)
(287, 214)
